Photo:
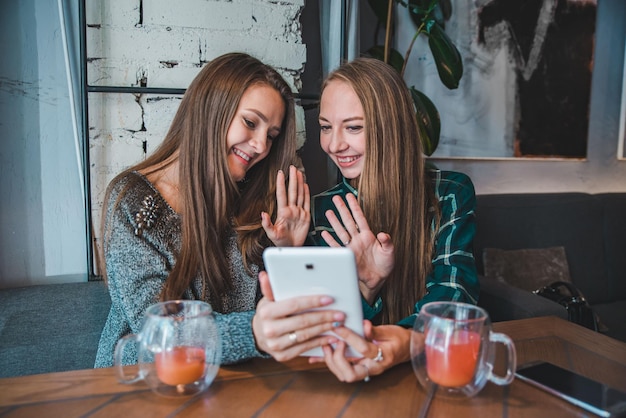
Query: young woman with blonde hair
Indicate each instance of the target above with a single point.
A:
(411, 227)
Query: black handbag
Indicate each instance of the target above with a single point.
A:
(567, 295)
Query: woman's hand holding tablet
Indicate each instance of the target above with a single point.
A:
(309, 271)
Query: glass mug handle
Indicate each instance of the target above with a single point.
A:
(117, 359)
(496, 337)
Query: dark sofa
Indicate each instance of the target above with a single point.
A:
(591, 228)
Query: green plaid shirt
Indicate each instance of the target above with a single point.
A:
(453, 276)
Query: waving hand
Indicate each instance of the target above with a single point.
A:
(374, 253)
(293, 216)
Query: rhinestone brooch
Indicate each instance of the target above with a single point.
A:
(147, 215)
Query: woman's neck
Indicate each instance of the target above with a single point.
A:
(164, 177)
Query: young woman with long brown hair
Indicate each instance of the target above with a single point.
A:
(192, 220)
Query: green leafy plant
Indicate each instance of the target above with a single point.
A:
(429, 16)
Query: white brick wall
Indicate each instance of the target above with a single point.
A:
(164, 43)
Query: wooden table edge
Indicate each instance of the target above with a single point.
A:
(552, 326)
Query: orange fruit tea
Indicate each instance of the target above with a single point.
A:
(181, 365)
(451, 362)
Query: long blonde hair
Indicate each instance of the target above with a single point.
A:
(212, 203)
(394, 190)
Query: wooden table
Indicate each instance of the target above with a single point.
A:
(265, 388)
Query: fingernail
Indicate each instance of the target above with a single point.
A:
(326, 300)
(340, 316)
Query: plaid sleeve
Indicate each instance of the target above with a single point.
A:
(320, 204)
(453, 276)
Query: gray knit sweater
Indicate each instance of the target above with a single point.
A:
(140, 251)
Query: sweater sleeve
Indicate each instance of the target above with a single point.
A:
(238, 343)
(136, 267)
(136, 270)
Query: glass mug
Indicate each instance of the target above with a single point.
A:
(453, 349)
(178, 348)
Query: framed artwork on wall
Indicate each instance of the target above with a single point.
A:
(526, 86)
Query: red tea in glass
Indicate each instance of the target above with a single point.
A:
(181, 365)
(453, 361)
(178, 349)
(453, 349)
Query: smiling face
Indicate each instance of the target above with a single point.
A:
(256, 124)
(342, 128)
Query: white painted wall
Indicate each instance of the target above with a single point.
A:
(601, 171)
(165, 44)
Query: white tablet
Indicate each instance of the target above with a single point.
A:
(300, 271)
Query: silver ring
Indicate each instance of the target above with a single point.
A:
(367, 373)
(293, 337)
(379, 356)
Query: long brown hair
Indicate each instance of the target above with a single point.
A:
(394, 191)
(212, 203)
